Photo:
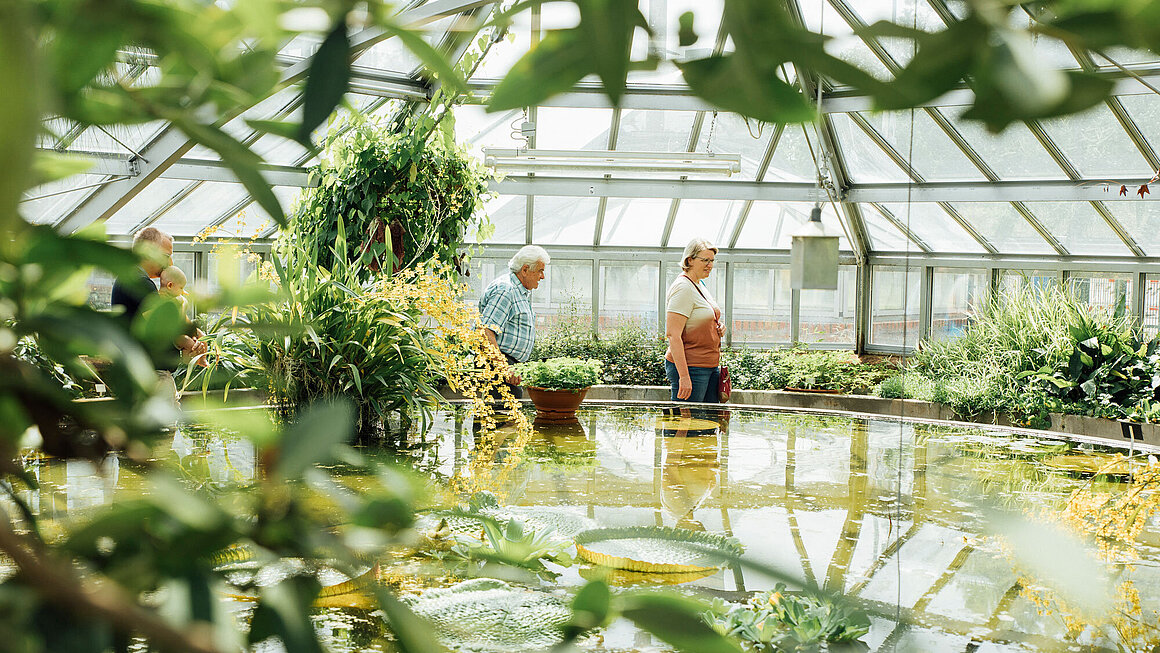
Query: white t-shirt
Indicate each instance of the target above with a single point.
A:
(701, 341)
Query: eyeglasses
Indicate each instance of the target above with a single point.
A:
(702, 258)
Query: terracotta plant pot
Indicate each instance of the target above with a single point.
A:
(556, 405)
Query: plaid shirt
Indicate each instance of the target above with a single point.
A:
(506, 310)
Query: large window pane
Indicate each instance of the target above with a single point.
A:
(711, 219)
(827, 316)
(1141, 219)
(651, 130)
(571, 128)
(1004, 227)
(1151, 320)
(481, 272)
(956, 294)
(866, 161)
(1102, 292)
(929, 222)
(792, 160)
(770, 225)
(565, 294)
(1078, 227)
(509, 214)
(894, 305)
(1013, 280)
(634, 221)
(729, 133)
(628, 295)
(932, 154)
(761, 304)
(1014, 154)
(564, 220)
(1097, 145)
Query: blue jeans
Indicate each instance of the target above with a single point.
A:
(705, 383)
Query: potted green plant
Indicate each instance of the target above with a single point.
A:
(558, 385)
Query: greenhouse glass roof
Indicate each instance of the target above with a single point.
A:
(918, 182)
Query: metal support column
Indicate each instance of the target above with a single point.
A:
(727, 314)
(595, 294)
(925, 302)
(1138, 286)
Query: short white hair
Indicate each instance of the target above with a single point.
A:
(695, 247)
(528, 255)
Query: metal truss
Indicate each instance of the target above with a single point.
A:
(171, 145)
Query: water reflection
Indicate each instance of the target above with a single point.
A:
(885, 512)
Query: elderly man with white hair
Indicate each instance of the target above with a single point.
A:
(506, 309)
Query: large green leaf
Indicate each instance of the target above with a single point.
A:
(313, 439)
(284, 611)
(996, 111)
(731, 86)
(240, 159)
(607, 27)
(944, 58)
(560, 60)
(412, 634)
(19, 110)
(328, 80)
(676, 620)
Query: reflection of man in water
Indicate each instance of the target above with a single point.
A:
(689, 469)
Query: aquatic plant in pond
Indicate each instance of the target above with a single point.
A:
(778, 619)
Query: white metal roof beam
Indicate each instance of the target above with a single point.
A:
(982, 191)
(168, 148)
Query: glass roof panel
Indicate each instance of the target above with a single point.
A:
(901, 12)
(655, 131)
(390, 55)
(478, 128)
(509, 214)
(634, 221)
(1097, 145)
(884, 236)
(770, 225)
(572, 129)
(1078, 227)
(733, 134)
(49, 202)
(1004, 227)
(507, 51)
(252, 220)
(1013, 155)
(54, 129)
(1141, 219)
(865, 161)
(117, 139)
(663, 18)
(1145, 113)
(712, 219)
(280, 151)
(302, 45)
(1125, 57)
(564, 220)
(145, 204)
(932, 153)
(199, 208)
(1052, 52)
(929, 222)
(843, 44)
(792, 160)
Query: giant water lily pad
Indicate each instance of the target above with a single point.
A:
(490, 615)
(655, 549)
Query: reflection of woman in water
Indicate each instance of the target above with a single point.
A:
(689, 469)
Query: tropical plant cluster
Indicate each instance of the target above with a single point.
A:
(1035, 351)
(779, 620)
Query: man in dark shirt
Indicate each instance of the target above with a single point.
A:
(156, 250)
(130, 293)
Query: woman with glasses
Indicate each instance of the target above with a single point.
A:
(694, 328)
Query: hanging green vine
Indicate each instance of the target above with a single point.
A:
(404, 198)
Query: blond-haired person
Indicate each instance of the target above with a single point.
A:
(693, 327)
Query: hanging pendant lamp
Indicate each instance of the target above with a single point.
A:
(813, 255)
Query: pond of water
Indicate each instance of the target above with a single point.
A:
(898, 517)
